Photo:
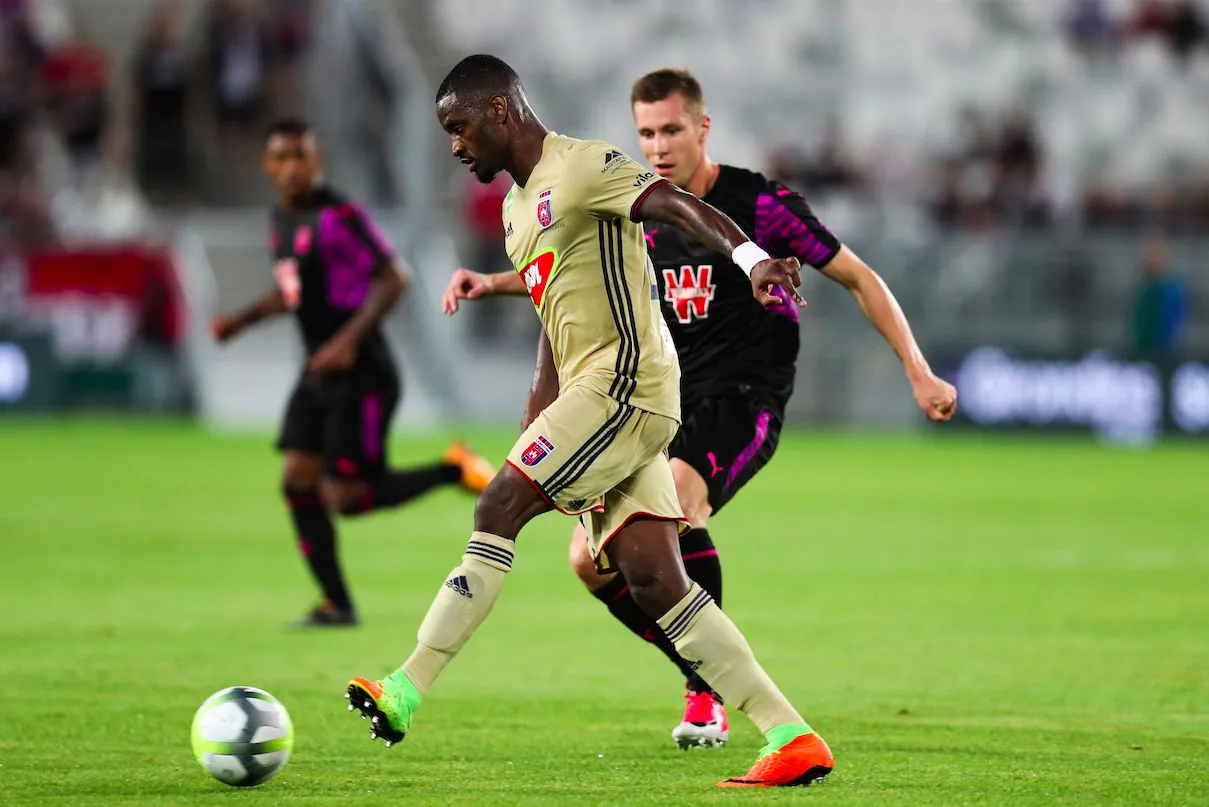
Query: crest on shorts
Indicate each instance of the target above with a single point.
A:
(302, 240)
(537, 451)
(544, 215)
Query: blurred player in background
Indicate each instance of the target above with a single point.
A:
(737, 357)
(604, 407)
(338, 275)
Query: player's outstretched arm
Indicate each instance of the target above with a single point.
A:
(668, 204)
(390, 280)
(545, 382)
(935, 396)
(469, 285)
(227, 326)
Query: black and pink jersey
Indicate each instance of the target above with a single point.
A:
(725, 339)
(327, 252)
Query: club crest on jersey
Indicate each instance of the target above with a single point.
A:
(536, 274)
(545, 217)
(537, 451)
(689, 292)
(302, 240)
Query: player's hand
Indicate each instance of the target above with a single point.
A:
(338, 354)
(783, 272)
(935, 396)
(464, 285)
(224, 328)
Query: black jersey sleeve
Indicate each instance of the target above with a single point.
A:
(785, 226)
(348, 229)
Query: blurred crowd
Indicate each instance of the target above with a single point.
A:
(1098, 27)
(192, 101)
(201, 99)
(995, 173)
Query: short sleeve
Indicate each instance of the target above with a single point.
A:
(785, 226)
(610, 183)
(365, 232)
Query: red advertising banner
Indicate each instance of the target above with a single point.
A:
(96, 302)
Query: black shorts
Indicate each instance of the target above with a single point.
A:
(343, 418)
(728, 439)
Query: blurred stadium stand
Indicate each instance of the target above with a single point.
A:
(1109, 140)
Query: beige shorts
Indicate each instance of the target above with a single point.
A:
(604, 461)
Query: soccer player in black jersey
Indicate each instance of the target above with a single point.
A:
(737, 356)
(339, 276)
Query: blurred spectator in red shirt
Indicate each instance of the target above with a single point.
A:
(76, 80)
(1151, 18)
(483, 214)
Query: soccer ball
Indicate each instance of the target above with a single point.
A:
(242, 736)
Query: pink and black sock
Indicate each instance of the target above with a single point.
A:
(317, 541)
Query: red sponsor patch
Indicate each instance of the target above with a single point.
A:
(689, 292)
(288, 280)
(537, 451)
(537, 273)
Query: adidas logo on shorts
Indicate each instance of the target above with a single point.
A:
(460, 586)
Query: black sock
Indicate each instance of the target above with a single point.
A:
(701, 562)
(393, 488)
(615, 594)
(317, 540)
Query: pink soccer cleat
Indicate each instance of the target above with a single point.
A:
(704, 724)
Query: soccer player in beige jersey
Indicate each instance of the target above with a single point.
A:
(598, 450)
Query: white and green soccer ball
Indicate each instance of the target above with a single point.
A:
(242, 736)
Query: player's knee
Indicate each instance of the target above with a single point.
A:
(346, 498)
(655, 594)
(649, 558)
(695, 507)
(300, 477)
(508, 503)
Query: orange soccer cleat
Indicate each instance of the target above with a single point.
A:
(795, 755)
(477, 473)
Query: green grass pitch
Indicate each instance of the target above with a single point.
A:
(967, 622)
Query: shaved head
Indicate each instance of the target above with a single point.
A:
(479, 77)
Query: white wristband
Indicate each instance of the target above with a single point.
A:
(747, 255)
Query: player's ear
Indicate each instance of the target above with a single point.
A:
(497, 109)
(703, 129)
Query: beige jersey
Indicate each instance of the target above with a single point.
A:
(570, 234)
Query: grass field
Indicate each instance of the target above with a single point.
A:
(967, 623)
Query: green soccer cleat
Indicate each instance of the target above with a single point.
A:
(389, 704)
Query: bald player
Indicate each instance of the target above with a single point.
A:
(737, 357)
(598, 449)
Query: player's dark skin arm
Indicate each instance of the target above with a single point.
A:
(669, 205)
(389, 283)
(267, 307)
(545, 382)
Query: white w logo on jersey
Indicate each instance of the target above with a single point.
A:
(690, 292)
